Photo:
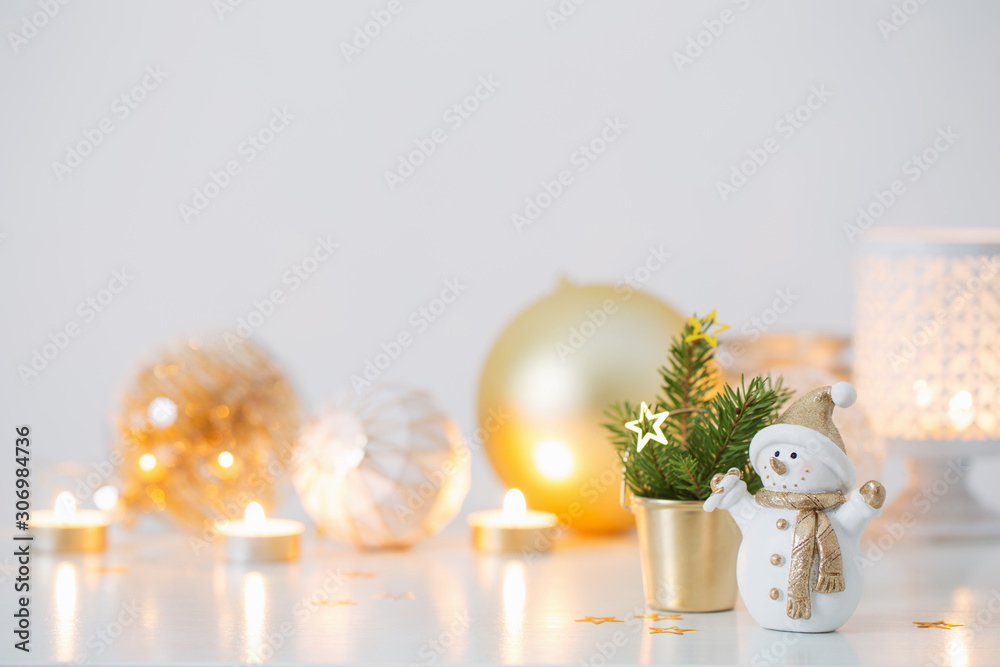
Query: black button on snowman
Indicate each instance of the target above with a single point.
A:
(792, 570)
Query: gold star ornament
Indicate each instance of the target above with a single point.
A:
(641, 427)
(701, 328)
(672, 630)
(337, 603)
(937, 624)
(597, 620)
(395, 596)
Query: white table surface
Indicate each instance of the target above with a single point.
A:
(196, 610)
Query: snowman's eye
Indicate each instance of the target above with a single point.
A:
(794, 455)
(777, 454)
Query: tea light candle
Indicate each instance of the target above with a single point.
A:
(512, 530)
(67, 529)
(257, 538)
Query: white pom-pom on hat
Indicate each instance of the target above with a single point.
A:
(843, 394)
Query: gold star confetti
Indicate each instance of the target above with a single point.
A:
(358, 574)
(395, 596)
(597, 620)
(337, 603)
(663, 617)
(705, 323)
(109, 569)
(672, 630)
(639, 427)
(937, 624)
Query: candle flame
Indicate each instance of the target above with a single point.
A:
(514, 505)
(65, 506)
(254, 516)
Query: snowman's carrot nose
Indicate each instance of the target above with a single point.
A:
(777, 466)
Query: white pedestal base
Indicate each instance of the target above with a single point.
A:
(936, 504)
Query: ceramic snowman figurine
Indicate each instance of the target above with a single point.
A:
(796, 568)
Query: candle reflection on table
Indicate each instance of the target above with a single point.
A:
(65, 604)
(514, 591)
(254, 605)
(958, 655)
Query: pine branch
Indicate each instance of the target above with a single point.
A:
(704, 435)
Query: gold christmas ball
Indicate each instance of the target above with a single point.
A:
(546, 386)
(204, 430)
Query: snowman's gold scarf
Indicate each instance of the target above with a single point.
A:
(813, 532)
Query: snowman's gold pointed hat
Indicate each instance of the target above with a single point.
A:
(808, 423)
(815, 411)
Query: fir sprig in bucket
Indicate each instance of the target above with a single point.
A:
(672, 452)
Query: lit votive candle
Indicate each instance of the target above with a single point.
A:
(257, 538)
(68, 529)
(514, 529)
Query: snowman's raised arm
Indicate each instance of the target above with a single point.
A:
(861, 507)
(733, 497)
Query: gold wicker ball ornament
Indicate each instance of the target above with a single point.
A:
(203, 431)
(382, 471)
(545, 388)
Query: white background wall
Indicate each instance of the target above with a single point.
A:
(324, 175)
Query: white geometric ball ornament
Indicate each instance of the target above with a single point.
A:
(382, 471)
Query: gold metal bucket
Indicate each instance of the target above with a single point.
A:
(688, 555)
